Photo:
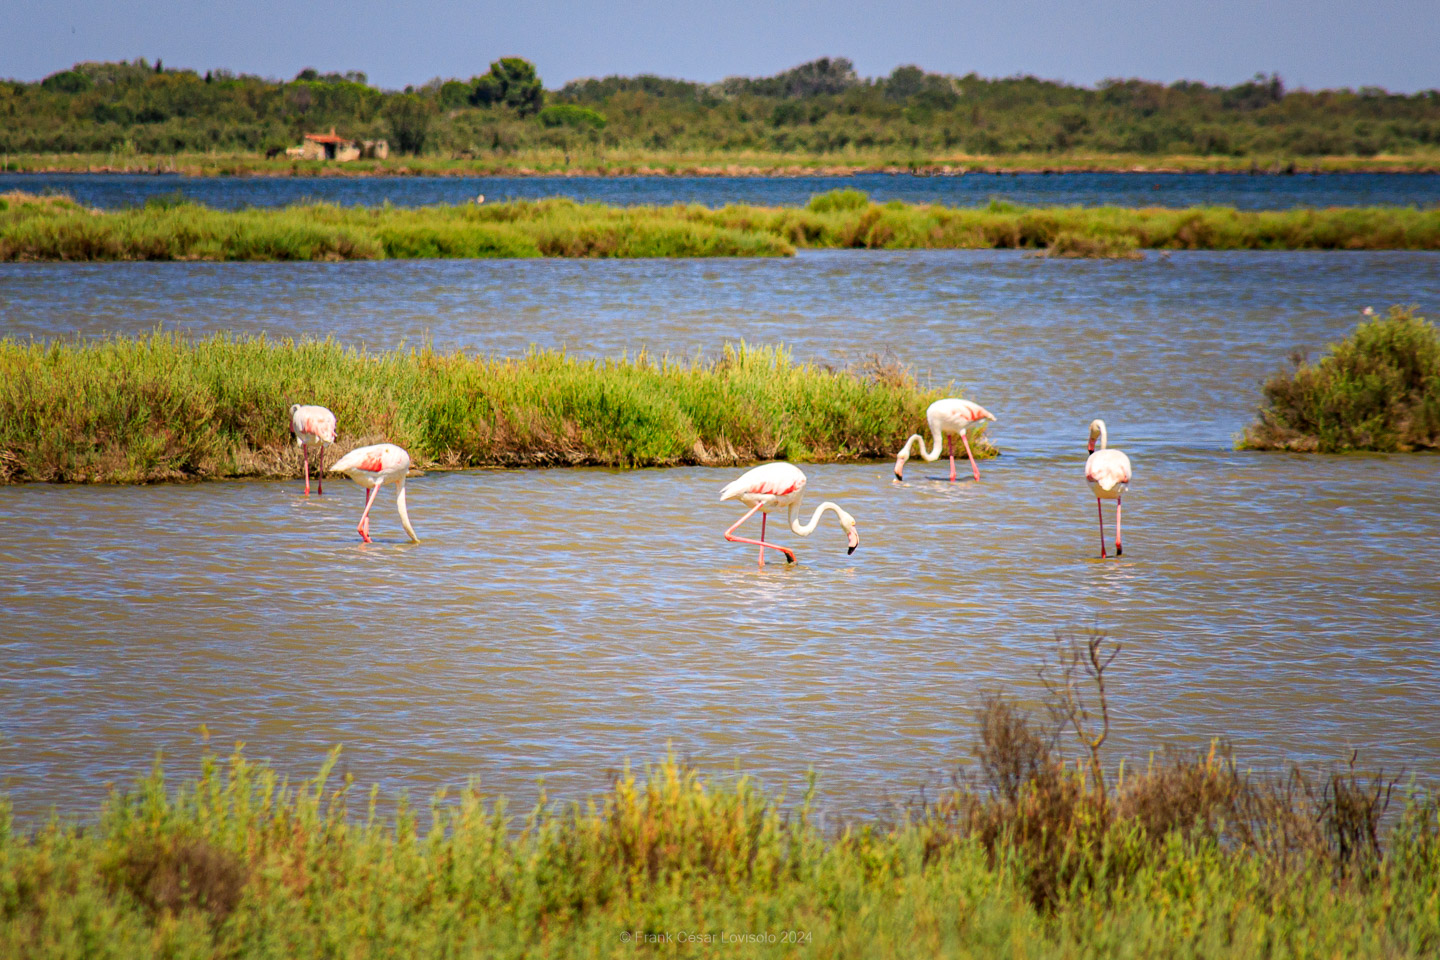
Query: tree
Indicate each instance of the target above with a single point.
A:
(511, 81)
(409, 119)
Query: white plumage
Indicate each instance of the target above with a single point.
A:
(1108, 473)
(946, 418)
(772, 486)
(312, 424)
(372, 466)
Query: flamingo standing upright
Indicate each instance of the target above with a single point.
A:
(370, 467)
(312, 424)
(949, 417)
(1108, 473)
(774, 485)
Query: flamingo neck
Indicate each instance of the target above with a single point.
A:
(805, 529)
(929, 456)
(1104, 437)
(404, 514)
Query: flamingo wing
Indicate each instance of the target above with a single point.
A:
(771, 479)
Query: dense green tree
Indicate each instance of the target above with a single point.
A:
(408, 117)
(818, 107)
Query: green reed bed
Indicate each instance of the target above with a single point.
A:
(1379, 389)
(1189, 858)
(56, 228)
(162, 407)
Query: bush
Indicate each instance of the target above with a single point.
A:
(572, 115)
(1377, 390)
(838, 200)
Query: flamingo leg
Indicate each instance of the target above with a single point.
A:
(320, 472)
(305, 452)
(1101, 513)
(363, 528)
(965, 439)
(730, 535)
(1118, 549)
(950, 447)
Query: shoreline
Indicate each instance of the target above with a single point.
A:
(243, 166)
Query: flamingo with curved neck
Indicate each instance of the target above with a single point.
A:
(946, 418)
(770, 487)
(1108, 473)
(370, 467)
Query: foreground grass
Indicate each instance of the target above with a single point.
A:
(1377, 390)
(161, 407)
(56, 228)
(1188, 859)
(622, 161)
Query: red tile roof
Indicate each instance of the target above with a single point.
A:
(327, 138)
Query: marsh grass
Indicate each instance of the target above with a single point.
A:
(52, 228)
(163, 407)
(241, 863)
(1379, 389)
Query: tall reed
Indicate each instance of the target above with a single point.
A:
(163, 407)
(50, 228)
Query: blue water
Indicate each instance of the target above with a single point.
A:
(975, 189)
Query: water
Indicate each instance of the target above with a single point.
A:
(976, 189)
(553, 623)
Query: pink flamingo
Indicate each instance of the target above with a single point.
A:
(370, 467)
(311, 424)
(1108, 472)
(774, 485)
(948, 417)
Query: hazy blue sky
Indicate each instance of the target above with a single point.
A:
(1311, 43)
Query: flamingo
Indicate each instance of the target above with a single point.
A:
(370, 467)
(949, 416)
(311, 424)
(774, 485)
(1108, 472)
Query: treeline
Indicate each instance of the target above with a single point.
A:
(818, 108)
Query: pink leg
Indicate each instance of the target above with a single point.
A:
(1101, 514)
(965, 438)
(320, 472)
(950, 446)
(730, 535)
(1118, 549)
(363, 528)
(305, 452)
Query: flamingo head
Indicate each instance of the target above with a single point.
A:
(847, 523)
(1097, 429)
(900, 463)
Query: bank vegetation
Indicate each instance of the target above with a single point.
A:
(170, 228)
(163, 407)
(1027, 855)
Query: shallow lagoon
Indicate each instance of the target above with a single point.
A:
(553, 623)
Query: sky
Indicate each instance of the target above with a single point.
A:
(1311, 43)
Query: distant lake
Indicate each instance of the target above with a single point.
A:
(973, 189)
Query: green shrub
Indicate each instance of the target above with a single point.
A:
(571, 115)
(838, 200)
(1377, 390)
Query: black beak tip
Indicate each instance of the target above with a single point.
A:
(1118, 550)
(789, 558)
(850, 551)
(898, 476)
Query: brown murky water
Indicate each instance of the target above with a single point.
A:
(554, 623)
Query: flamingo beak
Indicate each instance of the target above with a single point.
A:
(1090, 447)
(854, 537)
